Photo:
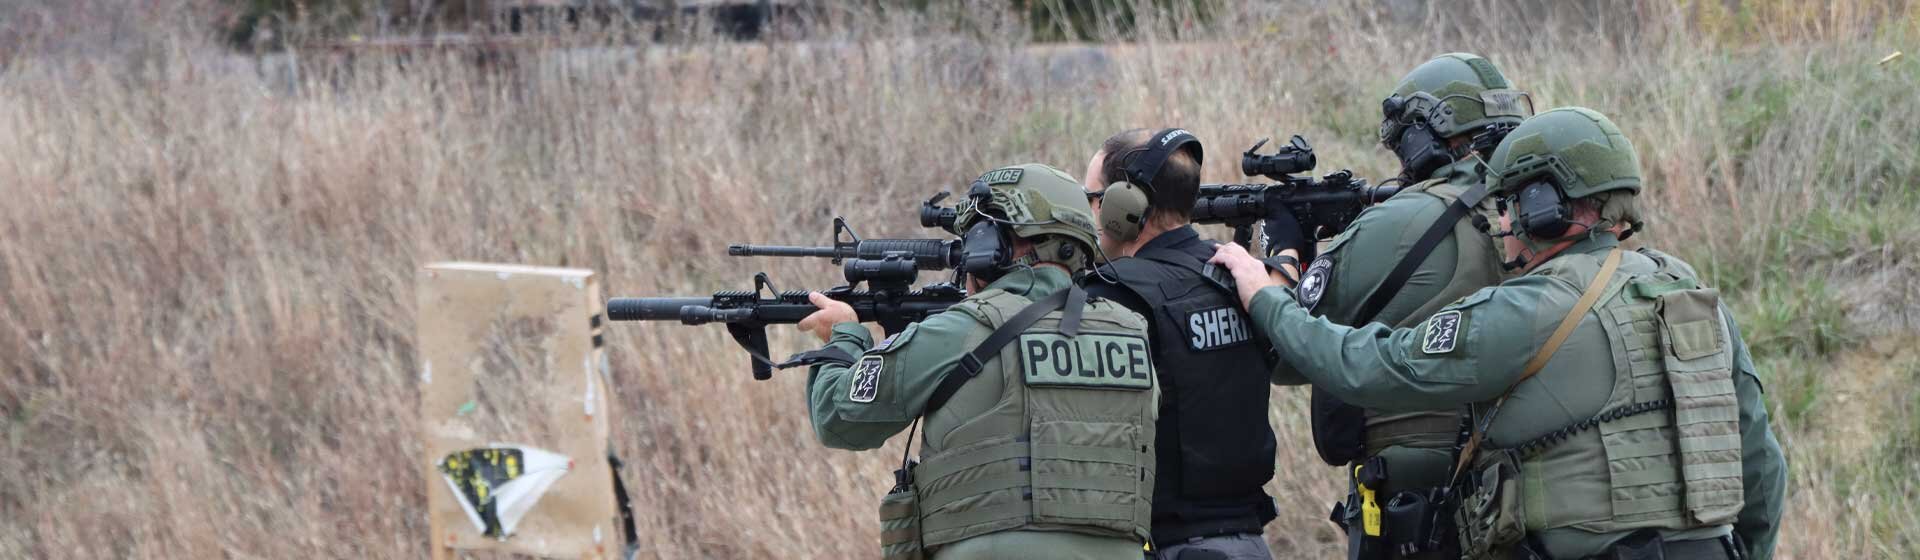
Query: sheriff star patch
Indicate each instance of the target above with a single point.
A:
(866, 380)
(1313, 284)
(1443, 331)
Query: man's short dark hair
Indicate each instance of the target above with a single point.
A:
(1175, 186)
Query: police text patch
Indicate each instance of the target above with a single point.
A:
(1443, 333)
(1216, 328)
(866, 380)
(1088, 360)
(1313, 284)
(1002, 176)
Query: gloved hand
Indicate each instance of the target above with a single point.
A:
(1281, 231)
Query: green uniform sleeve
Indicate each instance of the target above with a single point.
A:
(903, 372)
(1763, 465)
(1468, 352)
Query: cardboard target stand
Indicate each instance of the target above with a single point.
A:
(514, 413)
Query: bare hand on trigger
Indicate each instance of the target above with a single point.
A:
(832, 312)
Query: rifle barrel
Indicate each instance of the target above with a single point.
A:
(741, 250)
(651, 309)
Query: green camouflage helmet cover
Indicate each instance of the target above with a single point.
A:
(1580, 149)
(1458, 93)
(1045, 206)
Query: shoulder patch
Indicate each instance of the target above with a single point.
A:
(866, 379)
(1443, 333)
(1313, 284)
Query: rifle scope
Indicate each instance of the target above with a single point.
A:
(1297, 157)
(894, 268)
(934, 216)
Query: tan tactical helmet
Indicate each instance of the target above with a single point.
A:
(1043, 205)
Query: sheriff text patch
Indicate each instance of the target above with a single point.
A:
(1216, 328)
(1088, 360)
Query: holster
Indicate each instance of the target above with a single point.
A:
(900, 519)
(1365, 538)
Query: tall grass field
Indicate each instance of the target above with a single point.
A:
(208, 253)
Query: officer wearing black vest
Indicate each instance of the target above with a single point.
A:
(1215, 447)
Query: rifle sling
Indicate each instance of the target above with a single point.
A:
(827, 354)
(1073, 298)
(1403, 271)
(1587, 299)
(1332, 416)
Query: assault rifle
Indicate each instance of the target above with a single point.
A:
(888, 267)
(1324, 206)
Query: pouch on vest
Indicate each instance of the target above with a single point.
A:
(1706, 406)
(900, 524)
(1492, 513)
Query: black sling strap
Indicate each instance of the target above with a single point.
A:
(1432, 238)
(1185, 261)
(1339, 428)
(1074, 298)
(1208, 272)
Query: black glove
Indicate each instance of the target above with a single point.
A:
(1281, 231)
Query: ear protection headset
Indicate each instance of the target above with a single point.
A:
(1542, 211)
(986, 251)
(1126, 204)
(1405, 130)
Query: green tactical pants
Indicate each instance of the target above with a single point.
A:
(1040, 545)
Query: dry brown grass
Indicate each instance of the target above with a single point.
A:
(206, 262)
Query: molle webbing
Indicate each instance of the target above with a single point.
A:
(1669, 434)
(1706, 406)
(1535, 446)
(1540, 359)
(1080, 460)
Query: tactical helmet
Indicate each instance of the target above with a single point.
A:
(1455, 93)
(1041, 204)
(1579, 149)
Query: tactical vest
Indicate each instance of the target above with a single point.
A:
(1397, 460)
(1474, 254)
(1217, 447)
(1664, 451)
(1067, 444)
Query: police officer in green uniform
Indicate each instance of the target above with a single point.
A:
(1037, 402)
(1397, 264)
(1615, 412)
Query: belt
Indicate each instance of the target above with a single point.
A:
(1722, 548)
(1169, 534)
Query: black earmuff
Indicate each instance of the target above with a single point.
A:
(1421, 151)
(1543, 211)
(1126, 205)
(986, 251)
